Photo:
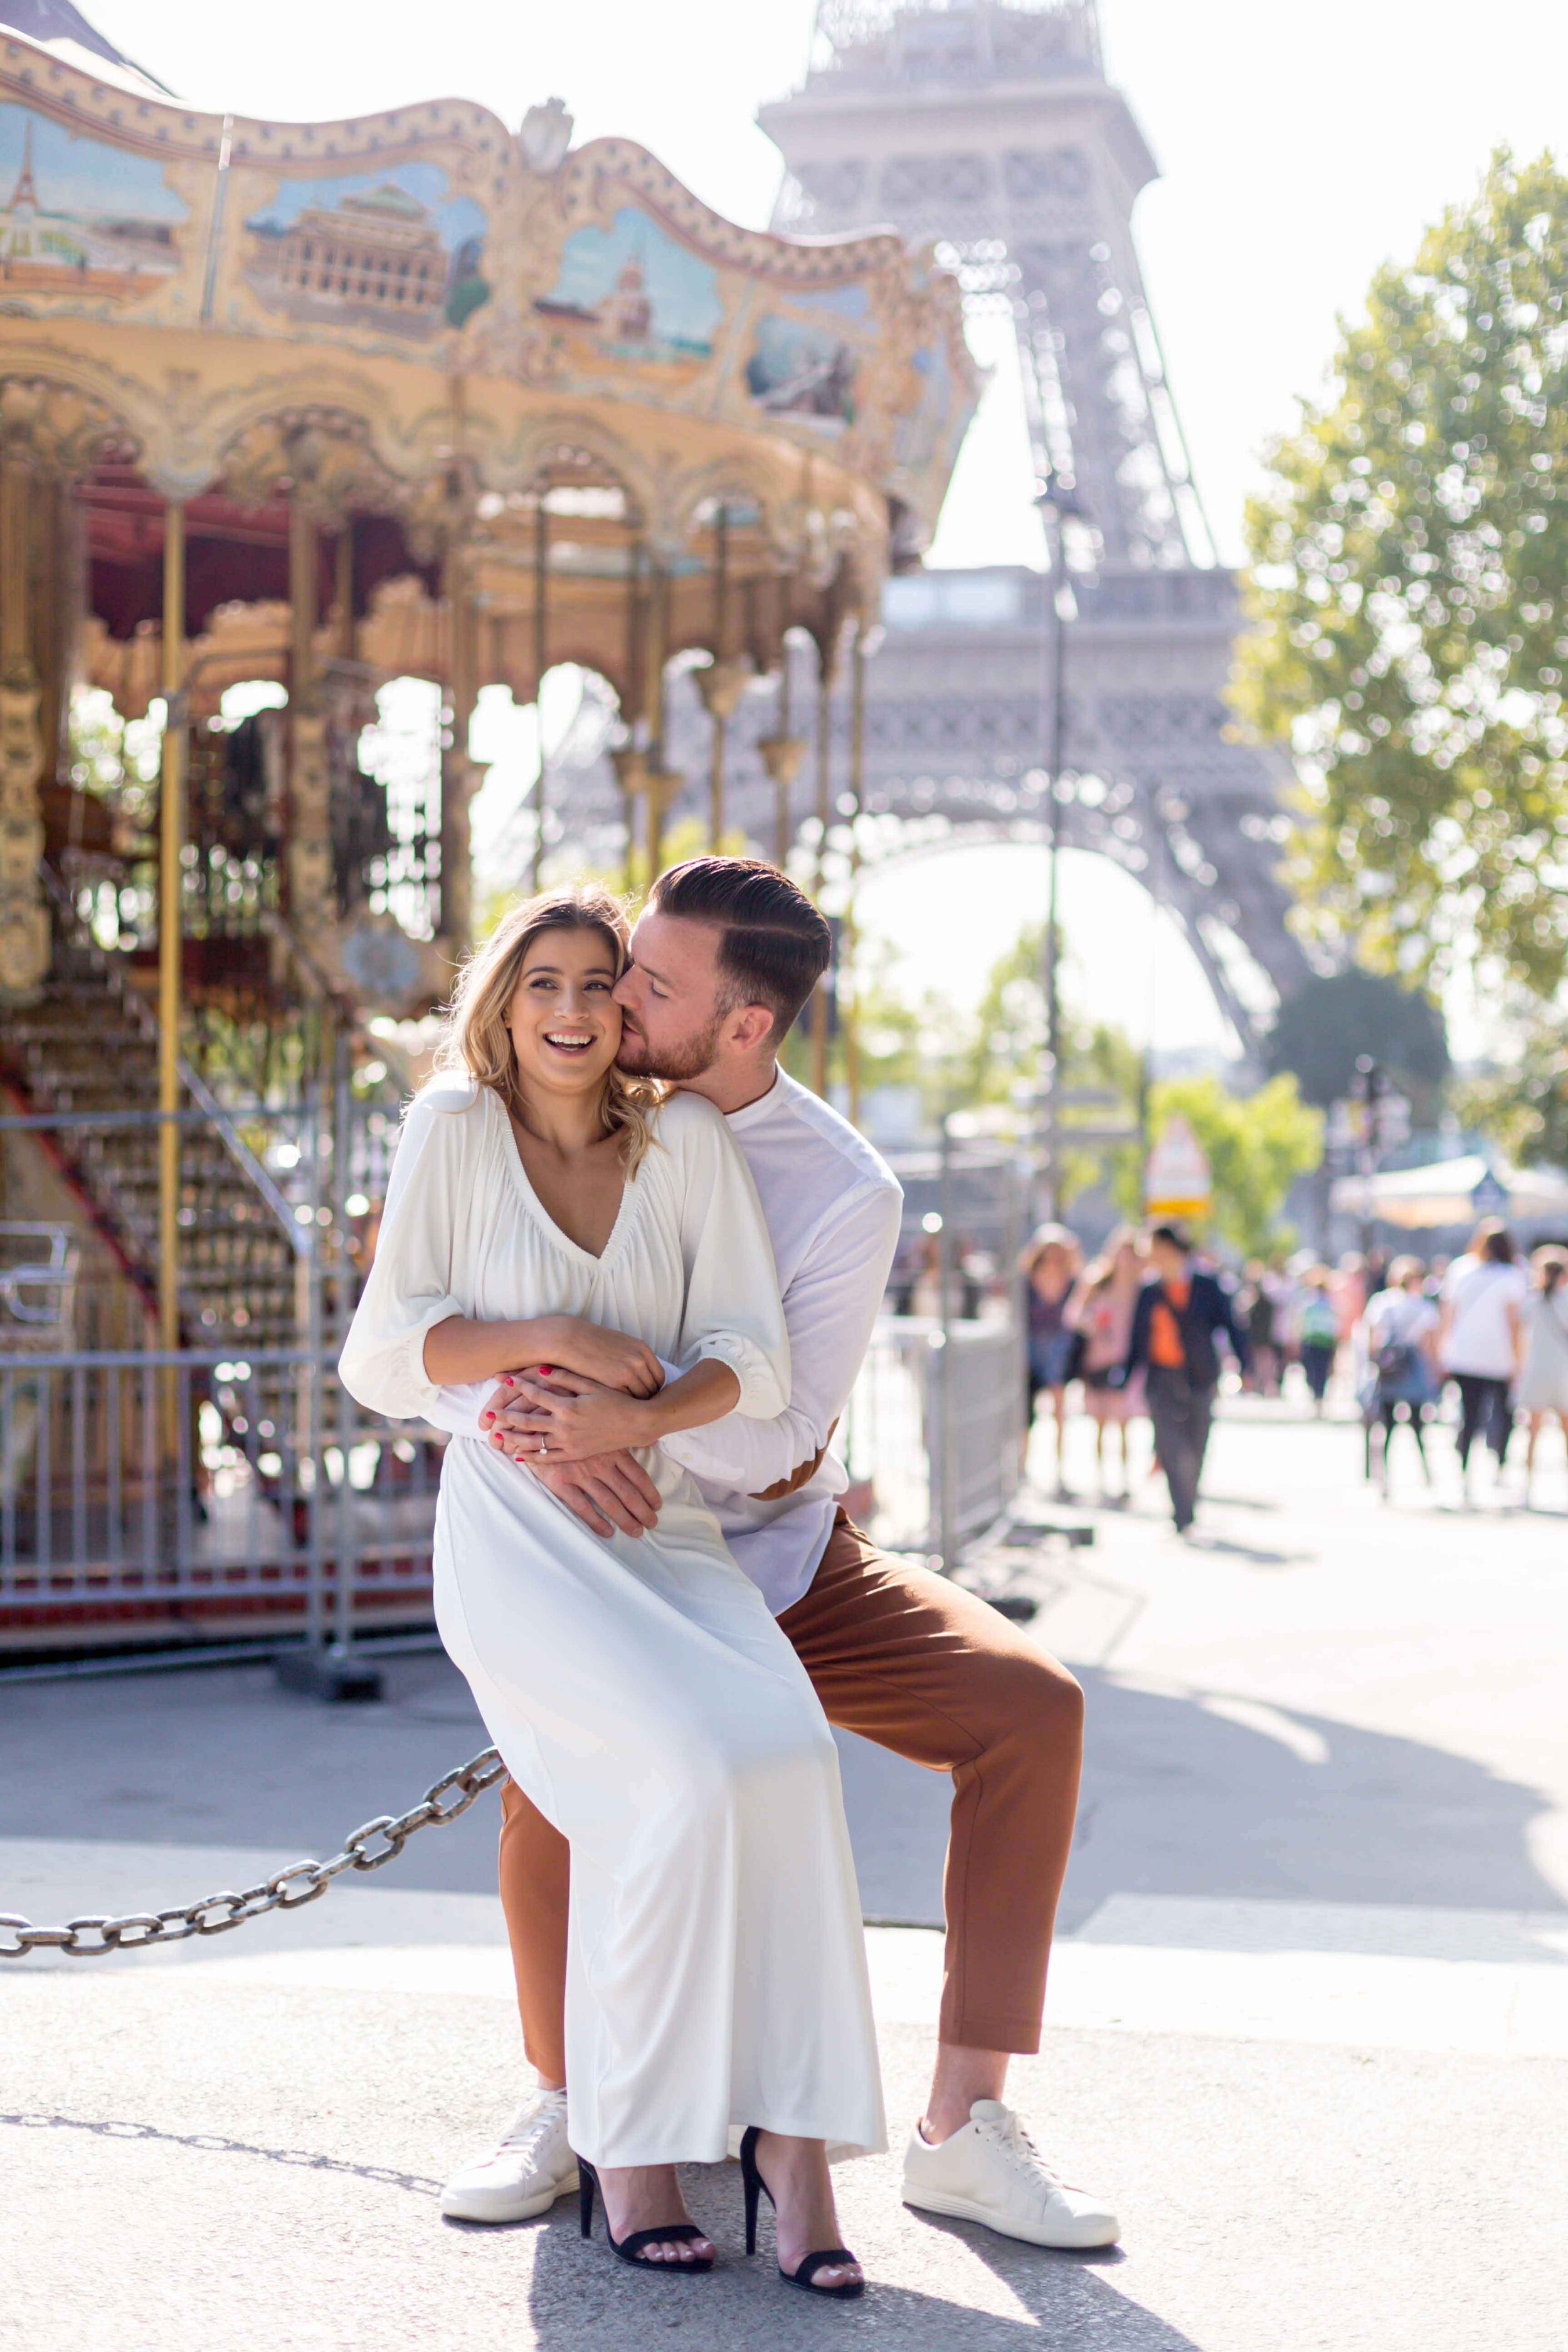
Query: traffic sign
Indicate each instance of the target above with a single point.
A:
(1177, 1181)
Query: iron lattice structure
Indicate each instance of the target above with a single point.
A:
(993, 129)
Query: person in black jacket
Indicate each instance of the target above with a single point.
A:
(1178, 1313)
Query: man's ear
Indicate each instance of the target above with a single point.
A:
(749, 1028)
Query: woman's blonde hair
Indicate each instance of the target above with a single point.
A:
(476, 1038)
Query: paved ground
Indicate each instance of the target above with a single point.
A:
(1311, 2022)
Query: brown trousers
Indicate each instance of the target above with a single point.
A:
(915, 1663)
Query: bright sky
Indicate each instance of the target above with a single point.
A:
(1299, 147)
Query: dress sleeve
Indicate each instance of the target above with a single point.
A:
(830, 1312)
(733, 1308)
(410, 1287)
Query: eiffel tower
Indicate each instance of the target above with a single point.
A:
(989, 125)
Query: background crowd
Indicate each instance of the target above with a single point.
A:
(1476, 1345)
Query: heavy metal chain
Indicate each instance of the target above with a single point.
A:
(214, 1915)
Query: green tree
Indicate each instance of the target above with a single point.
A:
(1257, 1144)
(1410, 591)
(1322, 1030)
(1524, 1109)
(1004, 1059)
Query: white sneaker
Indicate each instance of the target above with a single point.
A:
(989, 2171)
(531, 2167)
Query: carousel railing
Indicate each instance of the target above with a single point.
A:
(202, 1495)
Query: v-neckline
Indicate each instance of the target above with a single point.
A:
(542, 1215)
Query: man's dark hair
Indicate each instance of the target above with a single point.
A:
(1496, 1242)
(774, 946)
(1174, 1236)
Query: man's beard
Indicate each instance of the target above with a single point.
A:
(676, 1064)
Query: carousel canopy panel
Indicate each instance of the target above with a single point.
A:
(452, 288)
(324, 403)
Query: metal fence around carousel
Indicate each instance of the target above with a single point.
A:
(206, 1496)
(934, 1433)
(935, 1430)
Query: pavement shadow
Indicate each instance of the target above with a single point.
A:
(297, 2160)
(1260, 1555)
(580, 2299)
(1181, 1799)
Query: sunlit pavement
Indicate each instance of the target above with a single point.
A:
(1309, 2023)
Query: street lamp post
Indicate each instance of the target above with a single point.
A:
(1056, 500)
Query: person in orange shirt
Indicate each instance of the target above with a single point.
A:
(1180, 1311)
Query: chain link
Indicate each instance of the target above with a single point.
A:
(286, 1890)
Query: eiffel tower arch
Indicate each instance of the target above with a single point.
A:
(990, 126)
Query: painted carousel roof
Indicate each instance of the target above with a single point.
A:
(56, 25)
(454, 285)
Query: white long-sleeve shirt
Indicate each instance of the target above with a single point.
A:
(833, 1209)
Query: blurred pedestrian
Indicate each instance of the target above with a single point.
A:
(1543, 1385)
(1399, 1335)
(1480, 1337)
(1350, 1290)
(1259, 1308)
(1179, 1313)
(1100, 1311)
(1050, 1266)
(1318, 1333)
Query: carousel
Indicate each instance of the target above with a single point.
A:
(292, 411)
(322, 405)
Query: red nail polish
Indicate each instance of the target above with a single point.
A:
(544, 1370)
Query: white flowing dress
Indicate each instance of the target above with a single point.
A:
(638, 1687)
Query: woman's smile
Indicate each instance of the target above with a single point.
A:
(565, 1024)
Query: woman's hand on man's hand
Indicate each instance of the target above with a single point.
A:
(608, 1358)
(572, 1417)
(607, 1491)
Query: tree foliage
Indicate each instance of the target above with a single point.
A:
(1257, 1144)
(1411, 599)
(1322, 1031)
(1524, 1110)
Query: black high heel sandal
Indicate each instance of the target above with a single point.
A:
(826, 2258)
(630, 2247)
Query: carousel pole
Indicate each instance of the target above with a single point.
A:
(781, 754)
(625, 760)
(343, 589)
(311, 877)
(783, 826)
(541, 638)
(658, 637)
(718, 716)
(824, 787)
(849, 1010)
(457, 771)
(24, 915)
(170, 842)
